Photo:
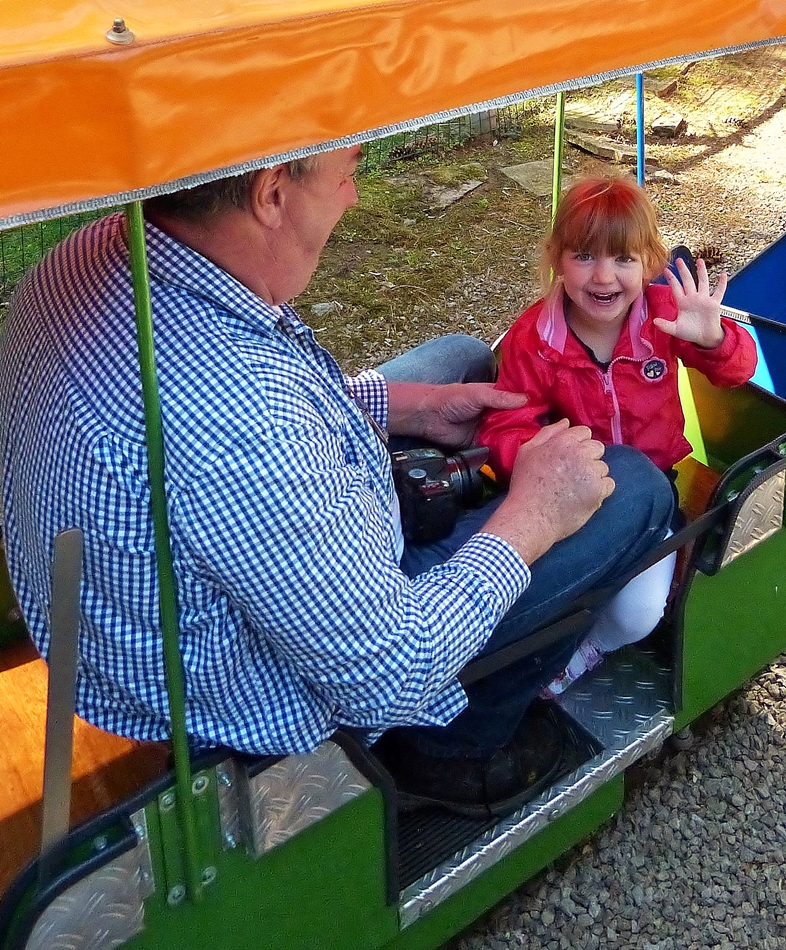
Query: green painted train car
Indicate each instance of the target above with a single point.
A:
(311, 851)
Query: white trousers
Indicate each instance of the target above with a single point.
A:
(636, 610)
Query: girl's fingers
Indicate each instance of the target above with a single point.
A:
(720, 287)
(685, 285)
(685, 280)
(668, 326)
(704, 279)
(674, 282)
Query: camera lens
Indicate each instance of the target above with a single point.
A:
(464, 473)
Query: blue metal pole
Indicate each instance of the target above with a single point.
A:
(559, 128)
(640, 128)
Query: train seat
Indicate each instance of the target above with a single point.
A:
(106, 769)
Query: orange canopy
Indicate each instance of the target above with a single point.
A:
(213, 84)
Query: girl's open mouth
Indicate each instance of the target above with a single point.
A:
(604, 298)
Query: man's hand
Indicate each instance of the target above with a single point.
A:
(559, 481)
(698, 311)
(446, 415)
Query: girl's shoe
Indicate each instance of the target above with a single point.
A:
(587, 657)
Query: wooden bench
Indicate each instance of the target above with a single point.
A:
(106, 768)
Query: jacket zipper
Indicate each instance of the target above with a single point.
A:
(611, 395)
(609, 391)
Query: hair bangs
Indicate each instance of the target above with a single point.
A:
(605, 216)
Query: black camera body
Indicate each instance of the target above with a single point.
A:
(432, 488)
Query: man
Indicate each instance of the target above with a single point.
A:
(295, 615)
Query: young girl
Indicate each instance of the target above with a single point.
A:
(601, 349)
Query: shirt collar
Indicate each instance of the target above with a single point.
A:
(176, 264)
(639, 347)
(552, 325)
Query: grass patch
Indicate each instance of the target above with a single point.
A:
(404, 270)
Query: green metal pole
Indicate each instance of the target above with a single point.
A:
(559, 127)
(166, 577)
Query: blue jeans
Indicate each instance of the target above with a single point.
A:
(619, 535)
(455, 358)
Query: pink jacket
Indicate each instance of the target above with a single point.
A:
(634, 402)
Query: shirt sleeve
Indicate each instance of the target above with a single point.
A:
(304, 549)
(372, 388)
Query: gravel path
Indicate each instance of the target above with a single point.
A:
(734, 198)
(695, 858)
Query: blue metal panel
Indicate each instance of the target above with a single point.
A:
(760, 288)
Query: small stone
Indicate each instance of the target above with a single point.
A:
(567, 906)
(669, 125)
(536, 177)
(662, 176)
(322, 309)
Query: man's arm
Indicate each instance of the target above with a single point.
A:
(559, 481)
(447, 415)
(302, 547)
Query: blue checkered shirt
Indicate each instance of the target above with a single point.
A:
(294, 615)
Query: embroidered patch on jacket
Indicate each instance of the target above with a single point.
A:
(654, 369)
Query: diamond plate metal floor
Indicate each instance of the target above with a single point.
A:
(624, 707)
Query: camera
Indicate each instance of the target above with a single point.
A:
(432, 487)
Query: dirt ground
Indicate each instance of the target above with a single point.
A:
(399, 270)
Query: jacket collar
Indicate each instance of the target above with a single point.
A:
(553, 327)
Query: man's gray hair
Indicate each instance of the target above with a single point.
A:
(221, 195)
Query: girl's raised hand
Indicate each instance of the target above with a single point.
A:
(698, 311)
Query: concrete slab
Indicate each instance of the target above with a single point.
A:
(439, 197)
(669, 125)
(662, 88)
(536, 177)
(604, 148)
(586, 118)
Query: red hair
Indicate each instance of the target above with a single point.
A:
(604, 215)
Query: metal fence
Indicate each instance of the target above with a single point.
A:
(22, 247)
(438, 138)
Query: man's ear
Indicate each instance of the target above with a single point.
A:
(267, 195)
